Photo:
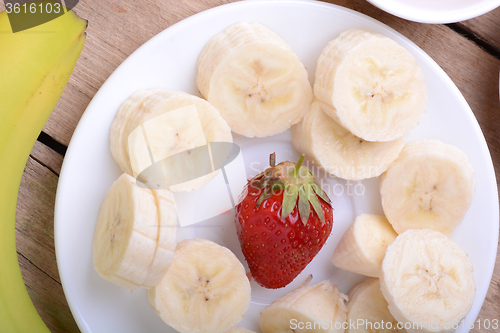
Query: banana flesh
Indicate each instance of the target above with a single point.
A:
(368, 308)
(135, 235)
(427, 280)
(374, 86)
(362, 247)
(205, 290)
(341, 153)
(429, 186)
(167, 238)
(321, 307)
(155, 124)
(254, 79)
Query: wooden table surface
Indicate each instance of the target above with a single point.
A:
(469, 52)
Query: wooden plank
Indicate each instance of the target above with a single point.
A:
(35, 217)
(48, 297)
(486, 27)
(46, 156)
(491, 306)
(35, 240)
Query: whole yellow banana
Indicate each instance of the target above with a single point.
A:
(35, 66)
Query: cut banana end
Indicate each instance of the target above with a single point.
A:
(429, 186)
(374, 86)
(254, 79)
(368, 309)
(319, 308)
(238, 329)
(205, 290)
(427, 279)
(341, 153)
(158, 125)
(126, 234)
(362, 247)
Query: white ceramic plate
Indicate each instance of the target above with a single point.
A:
(169, 61)
(436, 11)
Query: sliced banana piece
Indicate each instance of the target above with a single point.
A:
(362, 247)
(427, 279)
(159, 125)
(238, 329)
(254, 79)
(205, 290)
(368, 308)
(126, 234)
(429, 186)
(373, 85)
(341, 153)
(318, 308)
(167, 238)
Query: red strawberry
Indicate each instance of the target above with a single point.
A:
(278, 231)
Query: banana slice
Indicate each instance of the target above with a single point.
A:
(362, 247)
(368, 309)
(160, 125)
(121, 128)
(427, 280)
(341, 153)
(318, 308)
(126, 235)
(254, 79)
(238, 329)
(429, 186)
(167, 238)
(374, 86)
(205, 289)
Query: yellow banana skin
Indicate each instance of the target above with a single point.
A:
(35, 66)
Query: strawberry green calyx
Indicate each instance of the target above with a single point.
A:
(296, 182)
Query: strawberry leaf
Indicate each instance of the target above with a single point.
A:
(289, 200)
(313, 199)
(304, 207)
(277, 185)
(266, 194)
(319, 191)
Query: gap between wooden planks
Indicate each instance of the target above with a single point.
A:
(485, 28)
(116, 30)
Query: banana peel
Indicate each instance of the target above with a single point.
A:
(35, 66)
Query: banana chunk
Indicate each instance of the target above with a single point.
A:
(368, 308)
(374, 86)
(341, 153)
(319, 308)
(427, 280)
(429, 186)
(159, 125)
(205, 289)
(254, 79)
(362, 247)
(134, 235)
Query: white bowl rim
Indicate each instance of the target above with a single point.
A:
(395, 7)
